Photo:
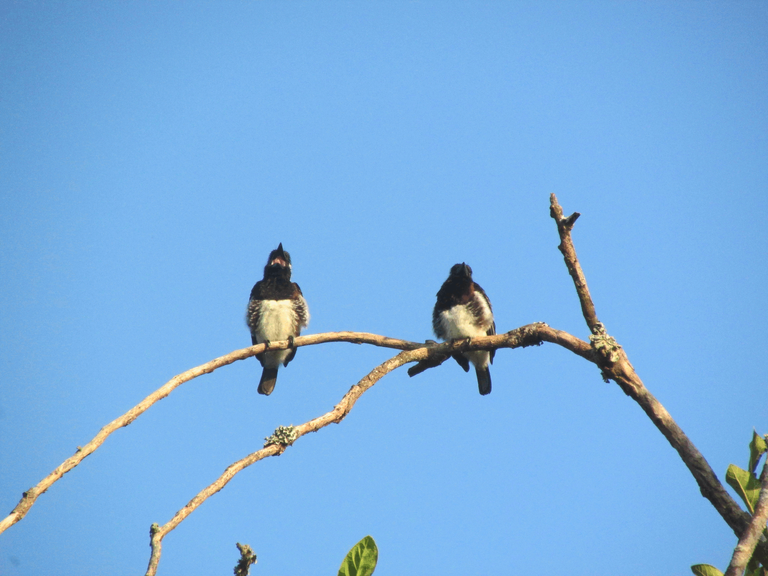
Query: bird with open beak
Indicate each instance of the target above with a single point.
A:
(276, 311)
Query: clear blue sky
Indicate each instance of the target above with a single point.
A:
(153, 153)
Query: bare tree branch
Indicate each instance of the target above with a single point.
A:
(528, 335)
(614, 365)
(522, 335)
(564, 227)
(336, 415)
(531, 334)
(30, 496)
(746, 546)
(602, 350)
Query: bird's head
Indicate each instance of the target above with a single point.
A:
(279, 258)
(461, 271)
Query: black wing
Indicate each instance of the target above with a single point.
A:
(301, 313)
(253, 315)
(492, 330)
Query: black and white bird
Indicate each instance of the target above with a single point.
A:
(463, 310)
(276, 311)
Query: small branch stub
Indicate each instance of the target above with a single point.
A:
(284, 436)
(247, 558)
(571, 220)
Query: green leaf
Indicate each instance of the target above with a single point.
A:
(757, 448)
(759, 571)
(361, 560)
(705, 570)
(754, 568)
(746, 485)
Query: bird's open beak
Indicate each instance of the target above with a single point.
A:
(279, 259)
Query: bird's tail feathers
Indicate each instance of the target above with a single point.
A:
(267, 382)
(483, 380)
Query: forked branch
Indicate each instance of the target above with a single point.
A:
(29, 497)
(602, 350)
(525, 336)
(336, 415)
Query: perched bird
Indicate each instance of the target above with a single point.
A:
(463, 310)
(276, 311)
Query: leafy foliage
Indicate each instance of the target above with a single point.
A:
(754, 568)
(747, 486)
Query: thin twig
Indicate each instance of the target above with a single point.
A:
(564, 227)
(615, 365)
(746, 546)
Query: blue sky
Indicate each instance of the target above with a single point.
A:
(152, 154)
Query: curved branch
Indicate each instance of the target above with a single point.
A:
(529, 335)
(524, 334)
(614, 364)
(336, 415)
(30, 496)
(603, 351)
(625, 376)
